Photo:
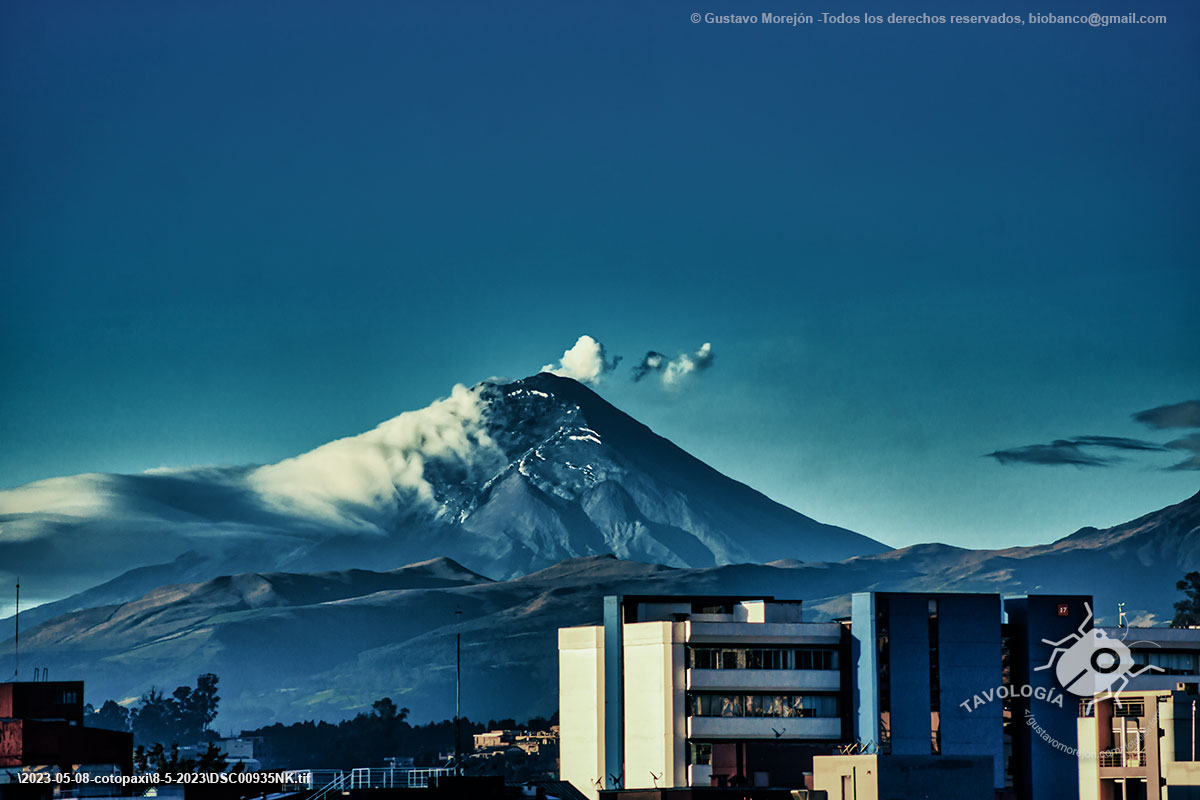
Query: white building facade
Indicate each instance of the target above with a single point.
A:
(704, 688)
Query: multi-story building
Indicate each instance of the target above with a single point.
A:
(701, 691)
(675, 692)
(1172, 655)
(872, 776)
(1041, 712)
(41, 726)
(917, 658)
(1140, 746)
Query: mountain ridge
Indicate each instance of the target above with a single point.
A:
(293, 646)
(504, 477)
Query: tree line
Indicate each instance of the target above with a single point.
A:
(368, 738)
(161, 724)
(180, 718)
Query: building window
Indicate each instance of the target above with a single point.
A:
(883, 672)
(766, 659)
(763, 705)
(700, 752)
(935, 683)
(1172, 663)
(718, 608)
(816, 658)
(762, 658)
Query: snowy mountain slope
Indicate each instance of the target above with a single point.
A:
(502, 477)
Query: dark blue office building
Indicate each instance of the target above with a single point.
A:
(917, 659)
(1043, 730)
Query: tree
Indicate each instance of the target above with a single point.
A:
(1187, 612)
(212, 759)
(183, 717)
(195, 708)
(110, 716)
(141, 759)
(153, 720)
(386, 710)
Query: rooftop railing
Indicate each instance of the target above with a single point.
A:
(374, 778)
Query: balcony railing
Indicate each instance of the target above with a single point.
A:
(765, 679)
(1126, 759)
(1128, 708)
(764, 727)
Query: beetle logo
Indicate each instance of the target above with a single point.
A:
(1090, 663)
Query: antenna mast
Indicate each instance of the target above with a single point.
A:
(458, 770)
(17, 634)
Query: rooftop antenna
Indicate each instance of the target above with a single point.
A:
(17, 634)
(1121, 620)
(457, 692)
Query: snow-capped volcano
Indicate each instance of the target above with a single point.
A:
(503, 477)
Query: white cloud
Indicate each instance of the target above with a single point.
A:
(586, 361)
(75, 496)
(350, 480)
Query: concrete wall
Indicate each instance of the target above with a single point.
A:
(35, 743)
(61, 700)
(864, 667)
(909, 666)
(1181, 773)
(847, 777)
(942, 777)
(655, 713)
(1087, 734)
(874, 777)
(970, 662)
(580, 700)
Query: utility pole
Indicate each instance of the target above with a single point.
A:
(458, 694)
(17, 634)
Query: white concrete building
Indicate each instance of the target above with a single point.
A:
(702, 688)
(1143, 748)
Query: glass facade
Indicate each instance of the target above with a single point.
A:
(1171, 662)
(763, 658)
(723, 704)
(935, 683)
(700, 752)
(883, 672)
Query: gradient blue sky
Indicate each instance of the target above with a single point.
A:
(230, 232)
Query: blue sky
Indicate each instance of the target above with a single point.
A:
(233, 231)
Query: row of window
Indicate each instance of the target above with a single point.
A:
(1171, 663)
(763, 705)
(762, 658)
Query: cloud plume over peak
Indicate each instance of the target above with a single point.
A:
(586, 361)
(672, 371)
(652, 362)
(347, 480)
